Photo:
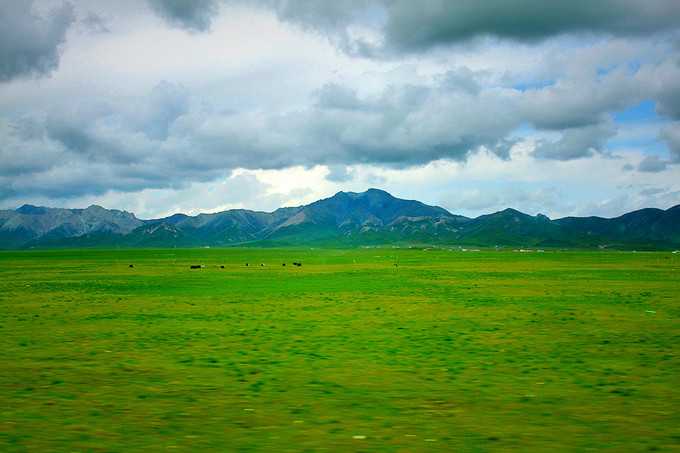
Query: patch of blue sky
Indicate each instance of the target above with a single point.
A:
(638, 127)
(530, 85)
(636, 137)
(634, 66)
(644, 111)
(631, 67)
(603, 71)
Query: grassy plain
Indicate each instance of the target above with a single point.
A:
(449, 351)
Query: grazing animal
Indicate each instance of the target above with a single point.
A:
(195, 266)
(297, 264)
(246, 264)
(283, 264)
(131, 265)
(261, 264)
(222, 267)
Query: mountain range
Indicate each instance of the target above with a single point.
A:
(347, 219)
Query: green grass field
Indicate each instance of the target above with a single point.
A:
(449, 351)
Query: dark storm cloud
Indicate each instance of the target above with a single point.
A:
(29, 42)
(414, 26)
(327, 15)
(410, 26)
(192, 15)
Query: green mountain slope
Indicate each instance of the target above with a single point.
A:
(349, 219)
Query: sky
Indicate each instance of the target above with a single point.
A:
(165, 106)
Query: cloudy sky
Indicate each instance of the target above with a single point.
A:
(163, 106)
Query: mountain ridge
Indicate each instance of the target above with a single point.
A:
(372, 217)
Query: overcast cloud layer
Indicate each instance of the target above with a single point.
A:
(167, 105)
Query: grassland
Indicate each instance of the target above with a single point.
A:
(448, 351)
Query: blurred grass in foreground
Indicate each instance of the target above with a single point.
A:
(448, 351)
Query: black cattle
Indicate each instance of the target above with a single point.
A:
(131, 265)
(221, 267)
(261, 264)
(246, 264)
(297, 264)
(283, 264)
(195, 266)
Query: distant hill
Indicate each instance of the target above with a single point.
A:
(30, 225)
(373, 217)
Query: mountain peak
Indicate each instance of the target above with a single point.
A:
(374, 206)
(372, 192)
(511, 211)
(95, 209)
(375, 191)
(29, 209)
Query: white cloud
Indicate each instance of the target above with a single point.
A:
(156, 117)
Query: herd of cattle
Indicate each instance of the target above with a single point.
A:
(201, 266)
